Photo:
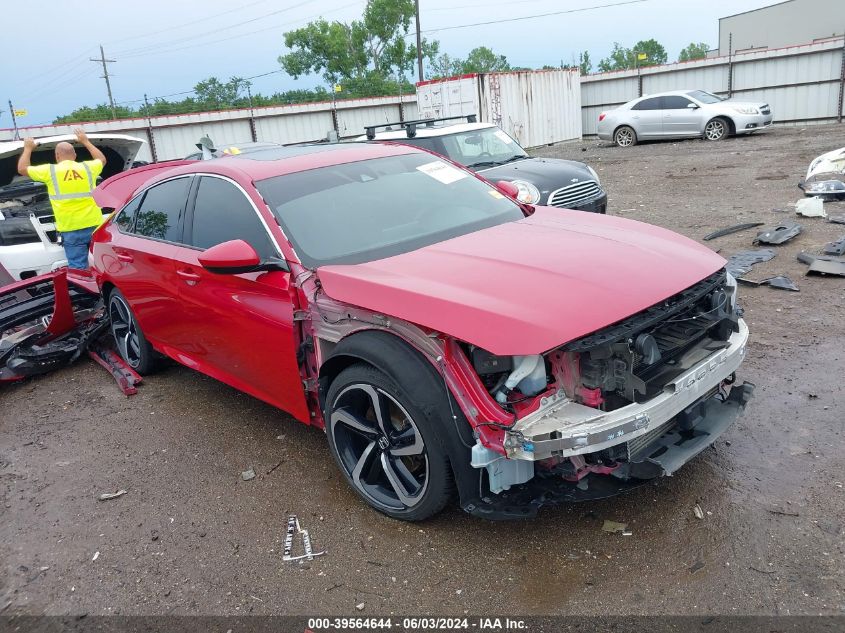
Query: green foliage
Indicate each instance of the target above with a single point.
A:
(374, 46)
(622, 58)
(694, 51)
(585, 63)
(484, 60)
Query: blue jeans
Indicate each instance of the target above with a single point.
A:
(76, 247)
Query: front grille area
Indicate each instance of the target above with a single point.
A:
(635, 447)
(571, 195)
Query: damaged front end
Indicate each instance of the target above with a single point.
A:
(824, 177)
(611, 410)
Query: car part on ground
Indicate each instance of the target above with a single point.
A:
(49, 321)
(489, 151)
(400, 332)
(783, 232)
(681, 114)
(837, 219)
(811, 207)
(736, 228)
(836, 248)
(29, 242)
(781, 282)
(740, 263)
(825, 189)
(828, 163)
(825, 267)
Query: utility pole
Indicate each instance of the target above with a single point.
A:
(102, 60)
(419, 40)
(14, 121)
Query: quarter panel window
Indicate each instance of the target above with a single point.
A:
(222, 213)
(649, 104)
(125, 219)
(161, 210)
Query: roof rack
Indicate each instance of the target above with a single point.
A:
(410, 127)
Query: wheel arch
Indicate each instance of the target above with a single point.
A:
(727, 119)
(398, 359)
(621, 125)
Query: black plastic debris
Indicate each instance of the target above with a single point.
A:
(781, 282)
(740, 263)
(825, 267)
(783, 232)
(837, 219)
(736, 228)
(836, 248)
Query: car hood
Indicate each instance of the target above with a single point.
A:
(120, 151)
(741, 104)
(526, 287)
(545, 173)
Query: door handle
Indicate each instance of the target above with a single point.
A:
(190, 277)
(124, 257)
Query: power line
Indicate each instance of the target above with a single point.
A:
(188, 92)
(142, 49)
(528, 17)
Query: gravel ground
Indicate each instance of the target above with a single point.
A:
(191, 537)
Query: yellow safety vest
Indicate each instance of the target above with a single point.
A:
(71, 185)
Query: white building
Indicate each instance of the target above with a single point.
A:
(782, 24)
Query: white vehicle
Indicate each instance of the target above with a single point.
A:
(29, 243)
(682, 114)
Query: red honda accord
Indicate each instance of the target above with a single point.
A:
(450, 340)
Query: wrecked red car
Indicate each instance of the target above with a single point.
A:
(450, 340)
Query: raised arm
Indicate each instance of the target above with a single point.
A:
(26, 156)
(95, 153)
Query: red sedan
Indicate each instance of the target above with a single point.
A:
(449, 339)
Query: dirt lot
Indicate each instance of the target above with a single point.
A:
(191, 537)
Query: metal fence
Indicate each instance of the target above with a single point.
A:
(175, 136)
(803, 84)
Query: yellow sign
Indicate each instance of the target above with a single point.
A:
(642, 56)
(338, 88)
(20, 112)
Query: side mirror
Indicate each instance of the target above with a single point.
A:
(508, 188)
(692, 106)
(236, 257)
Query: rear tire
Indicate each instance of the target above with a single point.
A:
(716, 129)
(131, 343)
(386, 446)
(625, 136)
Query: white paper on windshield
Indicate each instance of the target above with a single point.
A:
(503, 137)
(442, 172)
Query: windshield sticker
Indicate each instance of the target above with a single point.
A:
(442, 172)
(504, 137)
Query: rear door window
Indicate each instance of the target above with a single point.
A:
(655, 103)
(221, 213)
(160, 214)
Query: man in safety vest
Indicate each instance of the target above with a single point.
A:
(71, 186)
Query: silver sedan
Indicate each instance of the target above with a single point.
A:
(682, 114)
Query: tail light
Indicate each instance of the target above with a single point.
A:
(601, 116)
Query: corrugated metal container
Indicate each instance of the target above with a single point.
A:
(536, 107)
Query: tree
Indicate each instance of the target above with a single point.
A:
(374, 46)
(585, 63)
(484, 60)
(622, 58)
(694, 51)
(213, 91)
(446, 66)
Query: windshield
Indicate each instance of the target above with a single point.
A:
(367, 210)
(476, 149)
(705, 97)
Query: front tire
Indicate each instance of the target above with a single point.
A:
(132, 345)
(716, 129)
(386, 446)
(625, 136)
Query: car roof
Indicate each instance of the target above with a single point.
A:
(424, 131)
(279, 161)
(668, 93)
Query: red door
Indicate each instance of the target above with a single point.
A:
(236, 328)
(137, 251)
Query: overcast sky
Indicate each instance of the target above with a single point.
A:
(167, 46)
